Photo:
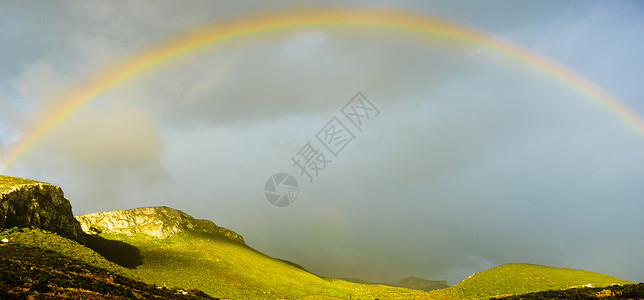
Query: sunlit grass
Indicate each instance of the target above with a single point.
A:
(223, 268)
(38, 238)
(7, 183)
(516, 278)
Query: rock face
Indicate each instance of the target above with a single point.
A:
(160, 222)
(27, 203)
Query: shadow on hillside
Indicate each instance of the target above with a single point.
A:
(118, 252)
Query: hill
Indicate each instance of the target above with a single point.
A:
(36, 273)
(520, 278)
(127, 253)
(210, 258)
(412, 282)
(157, 245)
(360, 281)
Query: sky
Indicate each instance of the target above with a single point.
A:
(474, 160)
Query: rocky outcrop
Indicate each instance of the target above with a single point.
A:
(26, 203)
(160, 222)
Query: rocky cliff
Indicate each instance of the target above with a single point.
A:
(160, 222)
(28, 203)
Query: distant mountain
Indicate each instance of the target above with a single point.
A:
(422, 284)
(413, 283)
(520, 278)
(360, 281)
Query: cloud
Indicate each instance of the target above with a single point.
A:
(38, 82)
(97, 154)
(122, 136)
(300, 73)
(8, 130)
(475, 160)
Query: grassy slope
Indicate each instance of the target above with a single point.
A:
(8, 182)
(218, 266)
(226, 269)
(38, 238)
(208, 262)
(231, 270)
(34, 273)
(515, 279)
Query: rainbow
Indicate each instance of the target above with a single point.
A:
(375, 18)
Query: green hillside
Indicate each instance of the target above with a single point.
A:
(38, 238)
(40, 262)
(519, 278)
(223, 268)
(33, 266)
(206, 262)
(132, 252)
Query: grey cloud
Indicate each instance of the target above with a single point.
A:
(473, 162)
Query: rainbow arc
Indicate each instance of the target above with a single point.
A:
(372, 18)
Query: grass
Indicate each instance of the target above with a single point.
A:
(380, 291)
(7, 183)
(42, 239)
(224, 268)
(210, 262)
(37, 261)
(519, 278)
(35, 273)
(227, 269)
